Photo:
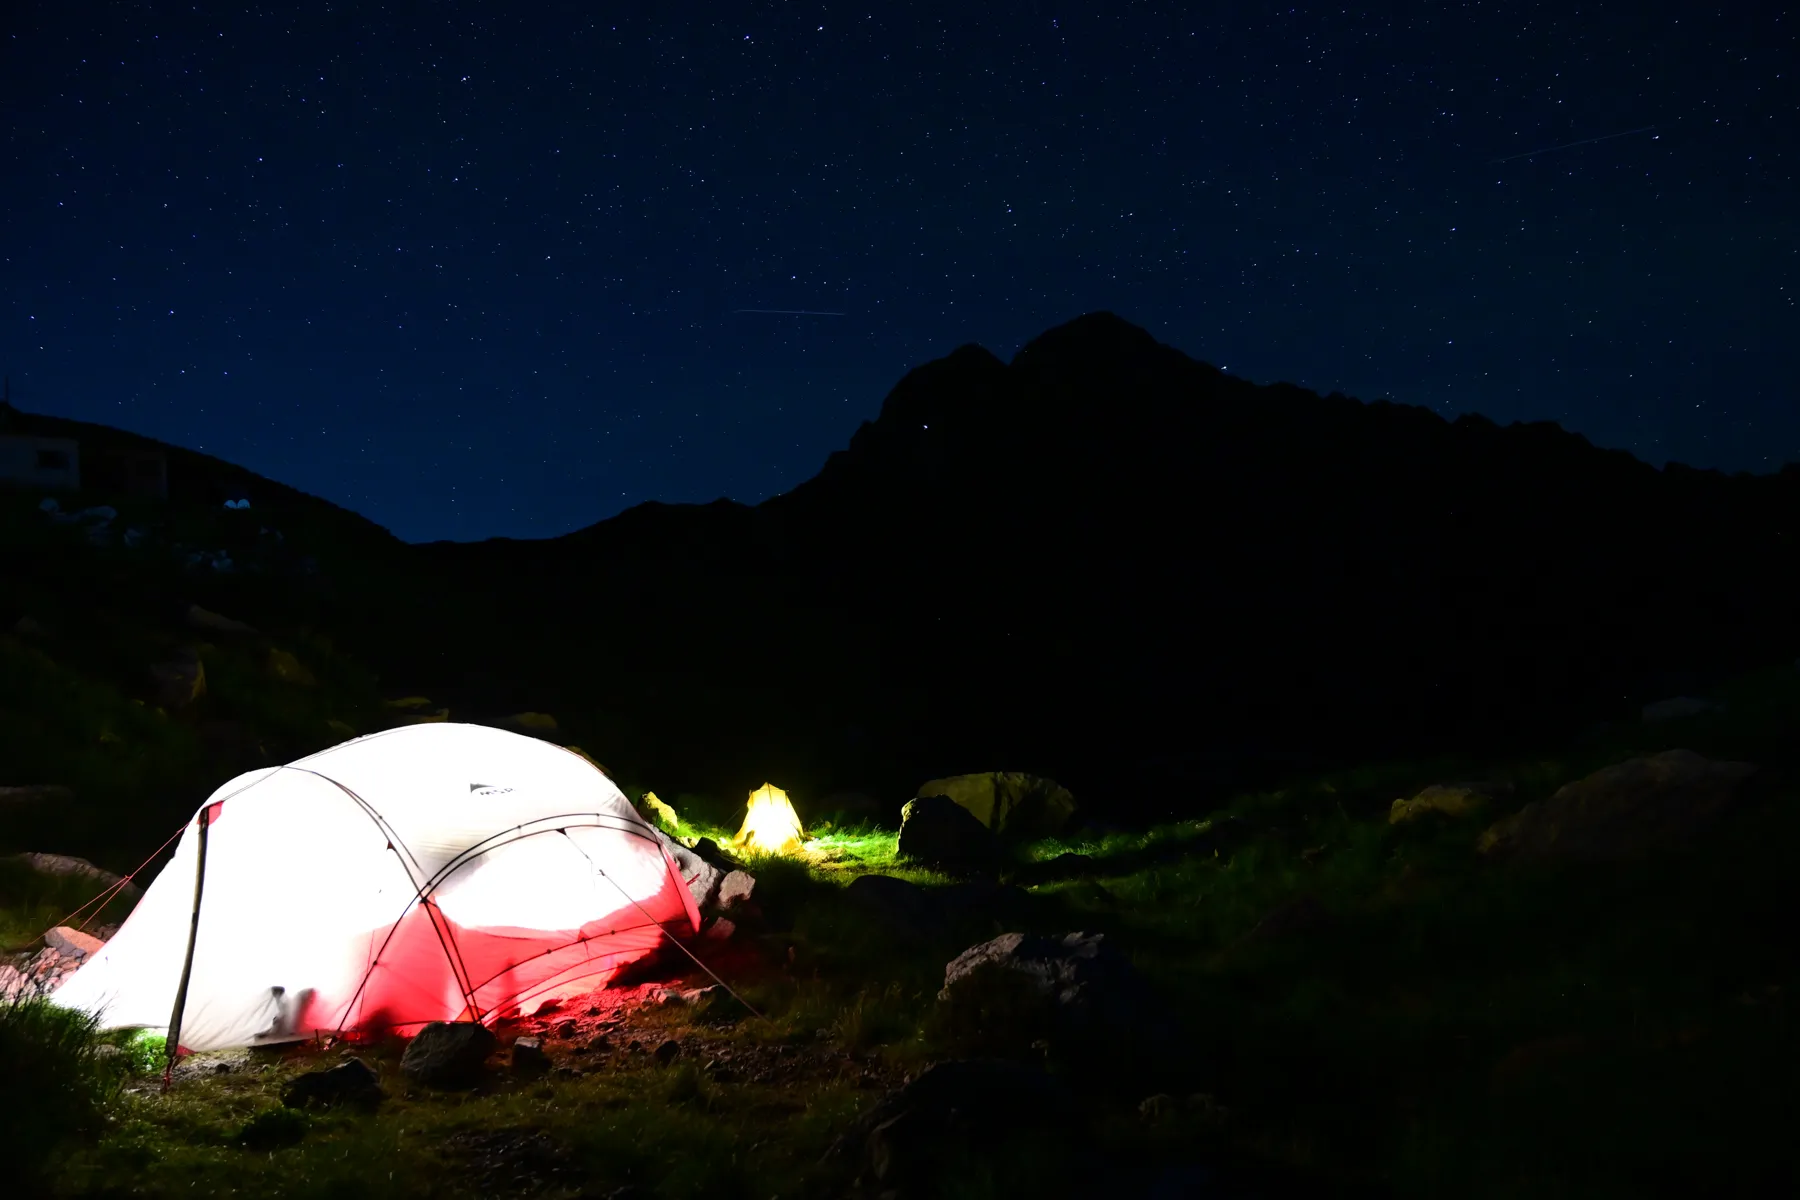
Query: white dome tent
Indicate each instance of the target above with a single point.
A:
(436, 872)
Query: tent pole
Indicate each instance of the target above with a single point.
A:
(173, 1046)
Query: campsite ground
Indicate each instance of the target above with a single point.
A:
(1443, 1025)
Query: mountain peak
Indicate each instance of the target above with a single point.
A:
(1100, 335)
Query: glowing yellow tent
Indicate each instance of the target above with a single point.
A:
(771, 826)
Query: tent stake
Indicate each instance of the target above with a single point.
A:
(173, 1046)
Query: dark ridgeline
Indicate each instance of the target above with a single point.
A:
(1116, 565)
(1103, 562)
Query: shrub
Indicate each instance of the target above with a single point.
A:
(55, 1081)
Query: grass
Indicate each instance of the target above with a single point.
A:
(55, 1083)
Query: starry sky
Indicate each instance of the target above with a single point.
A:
(478, 269)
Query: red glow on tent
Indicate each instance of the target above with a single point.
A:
(430, 968)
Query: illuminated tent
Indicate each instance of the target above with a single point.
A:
(771, 826)
(435, 872)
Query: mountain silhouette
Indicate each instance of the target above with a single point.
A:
(1113, 563)
(1103, 561)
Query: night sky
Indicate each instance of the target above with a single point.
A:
(476, 268)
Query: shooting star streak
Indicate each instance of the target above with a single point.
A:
(788, 312)
(1569, 145)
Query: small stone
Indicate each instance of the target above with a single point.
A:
(567, 1029)
(668, 1052)
(721, 929)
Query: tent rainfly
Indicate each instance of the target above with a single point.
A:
(435, 872)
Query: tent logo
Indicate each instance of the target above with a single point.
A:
(487, 789)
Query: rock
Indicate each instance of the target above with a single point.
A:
(72, 942)
(905, 908)
(1076, 983)
(710, 851)
(528, 1058)
(352, 1081)
(1010, 803)
(1677, 707)
(27, 627)
(38, 793)
(179, 683)
(1304, 914)
(64, 864)
(659, 813)
(738, 887)
(938, 831)
(667, 1053)
(1454, 800)
(702, 878)
(447, 1054)
(953, 1112)
(209, 1064)
(721, 929)
(284, 666)
(212, 622)
(1639, 806)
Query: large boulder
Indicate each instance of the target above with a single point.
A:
(1639, 806)
(1073, 984)
(448, 1054)
(937, 831)
(1453, 800)
(738, 887)
(351, 1082)
(1011, 803)
(702, 878)
(72, 943)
